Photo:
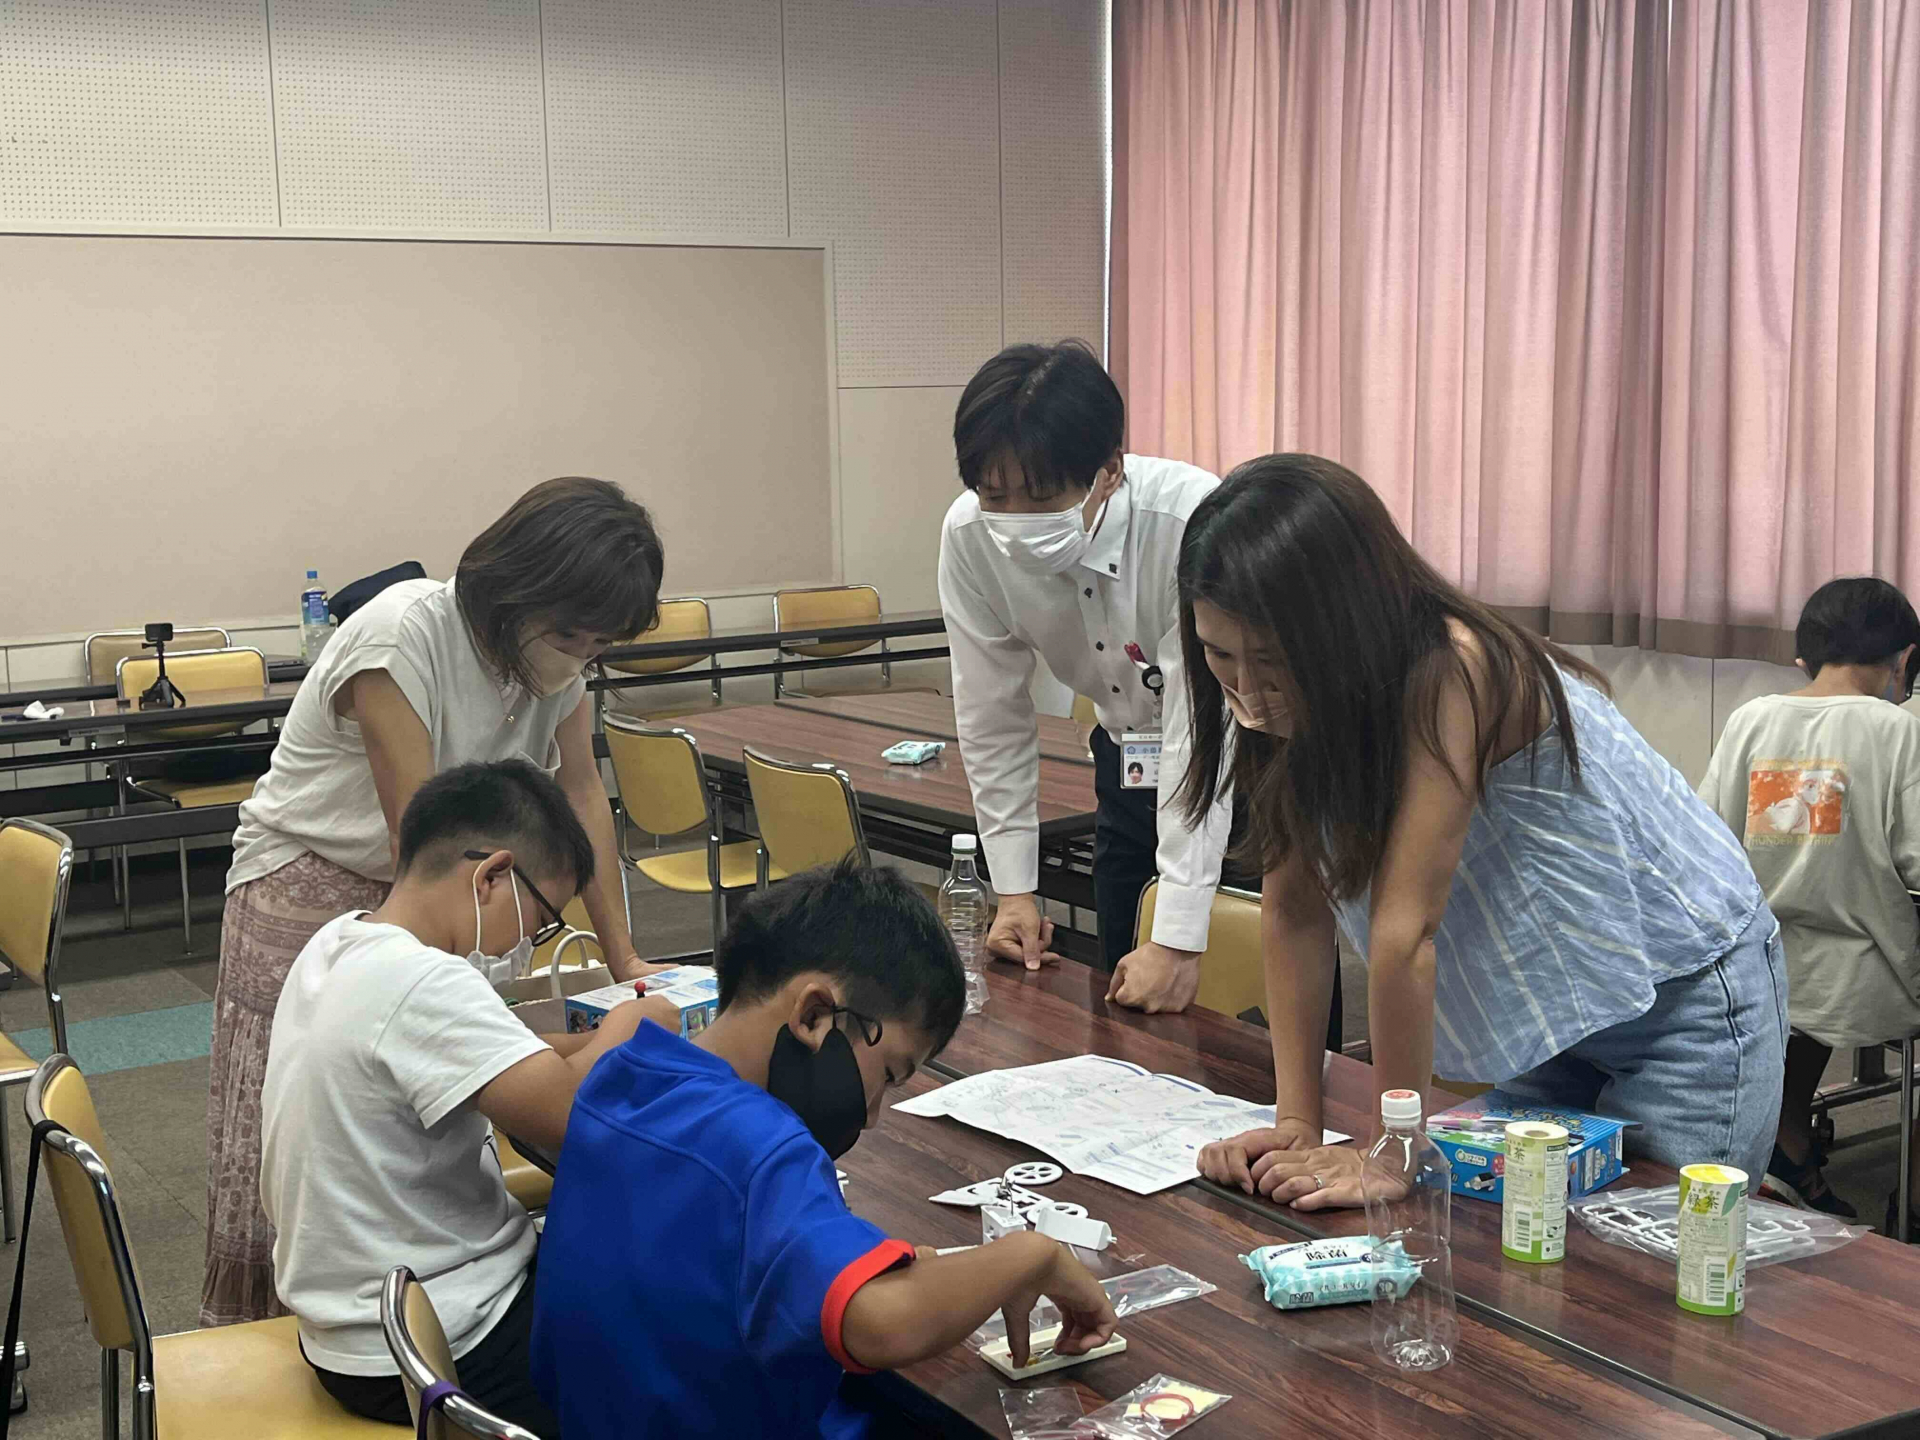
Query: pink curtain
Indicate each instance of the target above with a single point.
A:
(1616, 309)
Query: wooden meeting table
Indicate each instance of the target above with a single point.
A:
(1304, 1373)
(1826, 1346)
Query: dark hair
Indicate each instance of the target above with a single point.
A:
(495, 805)
(866, 926)
(1050, 409)
(1856, 621)
(1302, 550)
(574, 553)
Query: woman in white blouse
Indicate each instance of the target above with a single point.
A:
(427, 675)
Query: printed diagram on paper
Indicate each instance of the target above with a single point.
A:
(1100, 1117)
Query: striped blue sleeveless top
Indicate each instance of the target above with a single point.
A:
(1572, 902)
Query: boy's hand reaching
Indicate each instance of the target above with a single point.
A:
(1086, 1314)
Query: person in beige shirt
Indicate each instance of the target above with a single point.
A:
(1823, 787)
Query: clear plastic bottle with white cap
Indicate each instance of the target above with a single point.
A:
(1408, 1188)
(965, 910)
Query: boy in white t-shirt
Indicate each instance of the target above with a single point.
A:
(1823, 785)
(391, 1059)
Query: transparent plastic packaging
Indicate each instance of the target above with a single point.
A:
(1046, 1412)
(1132, 1293)
(1158, 1407)
(1151, 1410)
(1648, 1220)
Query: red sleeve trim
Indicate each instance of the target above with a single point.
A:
(833, 1310)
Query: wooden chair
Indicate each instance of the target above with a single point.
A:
(239, 1382)
(662, 784)
(1233, 976)
(418, 1344)
(827, 608)
(807, 813)
(192, 783)
(36, 871)
(685, 619)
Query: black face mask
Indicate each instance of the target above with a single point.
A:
(822, 1086)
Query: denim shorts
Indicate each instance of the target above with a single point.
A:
(1699, 1074)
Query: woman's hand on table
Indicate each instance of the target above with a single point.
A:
(1320, 1177)
(1288, 1165)
(1231, 1161)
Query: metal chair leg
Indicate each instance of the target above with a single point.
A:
(6, 1171)
(1905, 1202)
(110, 1395)
(719, 903)
(186, 908)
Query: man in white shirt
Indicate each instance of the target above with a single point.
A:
(391, 1060)
(1064, 547)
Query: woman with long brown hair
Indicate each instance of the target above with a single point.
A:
(427, 675)
(1541, 900)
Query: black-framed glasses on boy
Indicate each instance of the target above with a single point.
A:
(552, 927)
(870, 1029)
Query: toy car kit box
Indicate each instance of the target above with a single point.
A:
(694, 989)
(1473, 1137)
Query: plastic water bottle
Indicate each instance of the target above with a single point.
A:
(1408, 1188)
(963, 910)
(316, 627)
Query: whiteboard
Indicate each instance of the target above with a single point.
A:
(189, 423)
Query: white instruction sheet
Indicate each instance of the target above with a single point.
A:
(1101, 1117)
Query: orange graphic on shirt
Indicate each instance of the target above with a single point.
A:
(1792, 802)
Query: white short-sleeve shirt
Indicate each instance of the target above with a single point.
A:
(319, 795)
(373, 1154)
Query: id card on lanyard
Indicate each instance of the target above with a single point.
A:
(1140, 749)
(1140, 760)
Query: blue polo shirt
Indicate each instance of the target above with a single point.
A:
(697, 1260)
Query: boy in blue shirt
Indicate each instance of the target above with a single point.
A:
(700, 1273)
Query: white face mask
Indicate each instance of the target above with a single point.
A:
(1263, 710)
(553, 668)
(1045, 544)
(513, 965)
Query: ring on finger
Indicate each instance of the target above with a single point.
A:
(1318, 1183)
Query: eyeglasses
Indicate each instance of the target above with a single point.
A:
(547, 931)
(870, 1029)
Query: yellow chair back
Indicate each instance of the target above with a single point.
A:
(36, 865)
(658, 772)
(677, 620)
(108, 648)
(197, 672)
(418, 1344)
(808, 814)
(822, 610)
(1233, 977)
(83, 1195)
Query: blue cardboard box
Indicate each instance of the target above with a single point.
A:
(1473, 1137)
(693, 989)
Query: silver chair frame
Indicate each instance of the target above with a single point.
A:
(457, 1411)
(716, 896)
(126, 784)
(817, 767)
(144, 1405)
(56, 1006)
(780, 675)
